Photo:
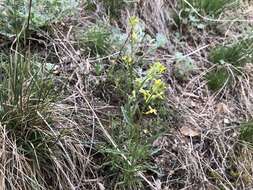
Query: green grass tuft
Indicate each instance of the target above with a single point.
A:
(97, 40)
(218, 78)
(235, 56)
(246, 132)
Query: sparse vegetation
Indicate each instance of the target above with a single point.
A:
(211, 8)
(193, 12)
(97, 95)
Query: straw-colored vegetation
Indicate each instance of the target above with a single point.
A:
(125, 95)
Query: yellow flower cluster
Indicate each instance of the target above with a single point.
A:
(158, 89)
(152, 87)
(146, 94)
(128, 59)
(133, 22)
(155, 92)
(151, 111)
(156, 69)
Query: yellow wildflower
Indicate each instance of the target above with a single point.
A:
(128, 59)
(151, 111)
(158, 83)
(133, 21)
(161, 68)
(159, 96)
(158, 86)
(156, 69)
(134, 36)
(146, 94)
(158, 89)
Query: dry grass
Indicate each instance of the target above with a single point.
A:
(214, 159)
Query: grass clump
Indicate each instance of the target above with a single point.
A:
(24, 89)
(237, 54)
(218, 78)
(26, 96)
(230, 59)
(32, 147)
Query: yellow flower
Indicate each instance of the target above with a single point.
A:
(146, 94)
(151, 111)
(128, 59)
(156, 69)
(159, 96)
(158, 86)
(133, 21)
(134, 37)
(158, 83)
(159, 68)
